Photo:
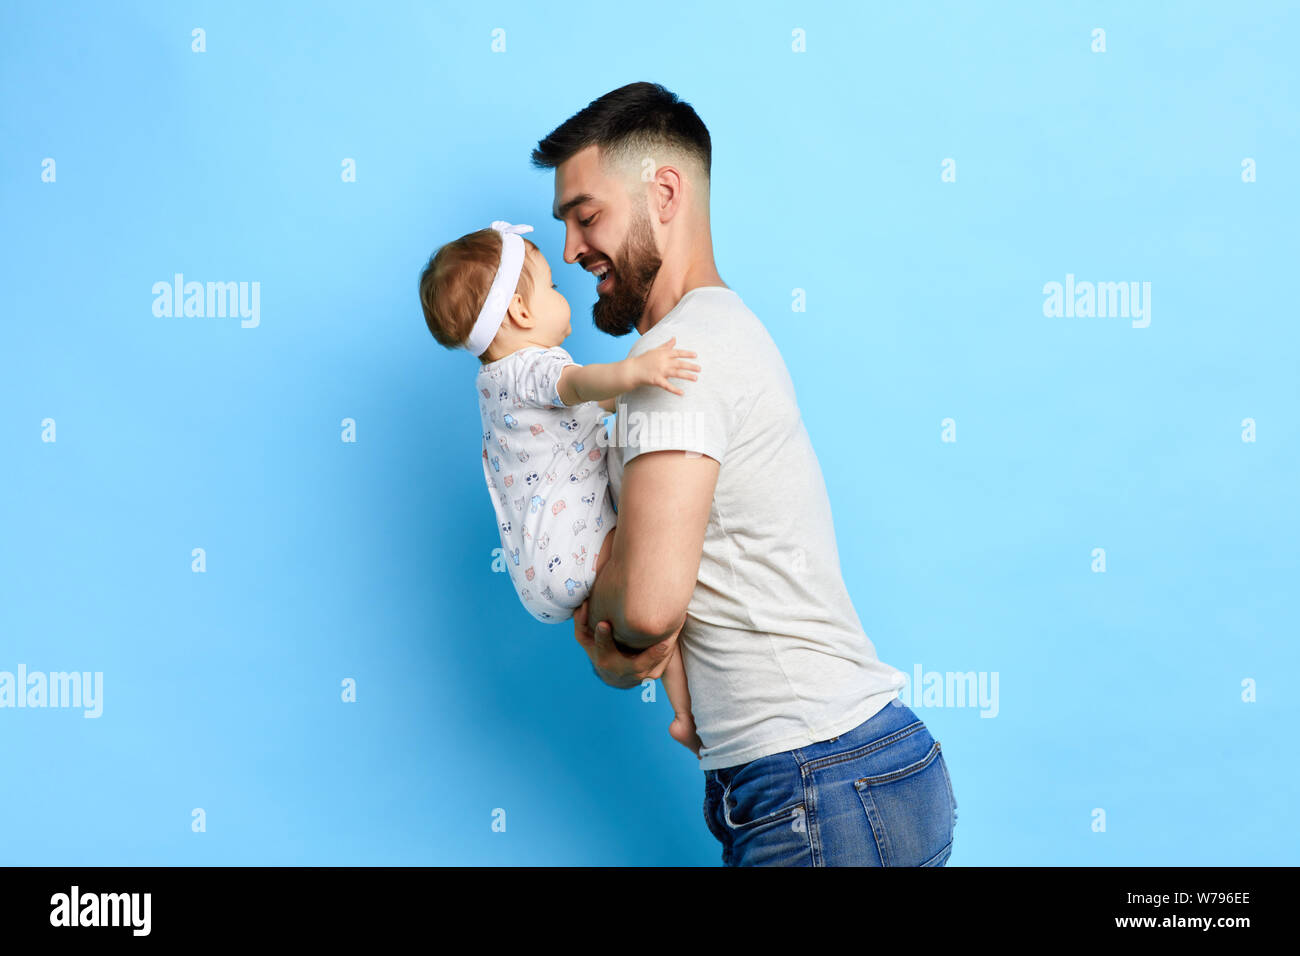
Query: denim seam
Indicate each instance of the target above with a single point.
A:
(945, 850)
(881, 836)
(901, 772)
(952, 797)
(810, 816)
(832, 759)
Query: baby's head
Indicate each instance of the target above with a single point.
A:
(456, 282)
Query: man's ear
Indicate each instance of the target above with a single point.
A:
(667, 195)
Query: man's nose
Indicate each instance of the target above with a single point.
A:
(573, 247)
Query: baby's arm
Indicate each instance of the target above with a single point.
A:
(605, 382)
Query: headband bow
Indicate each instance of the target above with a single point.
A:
(498, 299)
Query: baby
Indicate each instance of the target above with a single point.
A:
(490, 292)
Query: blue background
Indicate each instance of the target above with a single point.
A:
(328, 560)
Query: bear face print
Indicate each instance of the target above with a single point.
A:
(557, 507)
(536, 429)
(528, 573)
(509, 480)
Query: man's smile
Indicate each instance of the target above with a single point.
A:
(604, 273)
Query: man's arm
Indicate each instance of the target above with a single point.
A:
(646, 586)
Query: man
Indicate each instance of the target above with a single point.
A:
(725, 543)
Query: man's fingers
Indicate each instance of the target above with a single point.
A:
(656, 658)
(581, 632)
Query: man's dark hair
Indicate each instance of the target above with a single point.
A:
(632, 119)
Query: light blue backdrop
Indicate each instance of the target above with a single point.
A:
(325, 560)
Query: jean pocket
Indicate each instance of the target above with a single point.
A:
(761, 793)
(712, 800)
(910, 811)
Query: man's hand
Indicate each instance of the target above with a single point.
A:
(611, 665)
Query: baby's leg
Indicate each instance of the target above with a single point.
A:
(682, 729)
(606, 549)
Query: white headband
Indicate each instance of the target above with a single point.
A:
(498, 299)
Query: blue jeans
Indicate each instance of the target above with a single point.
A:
(879, 795)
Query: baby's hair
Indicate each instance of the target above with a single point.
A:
(455, 283)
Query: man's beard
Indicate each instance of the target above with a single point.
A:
(617, 312)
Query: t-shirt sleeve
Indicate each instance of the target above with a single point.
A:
(536, 377)
(700, 420)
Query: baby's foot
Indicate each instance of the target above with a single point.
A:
(682, 730)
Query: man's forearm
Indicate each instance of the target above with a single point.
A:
(608, 602)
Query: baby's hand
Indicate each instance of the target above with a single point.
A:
(659, 364)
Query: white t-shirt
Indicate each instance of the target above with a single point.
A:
(775, 655)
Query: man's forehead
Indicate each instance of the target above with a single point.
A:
(578, 180)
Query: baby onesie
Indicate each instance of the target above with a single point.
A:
(547, 475)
